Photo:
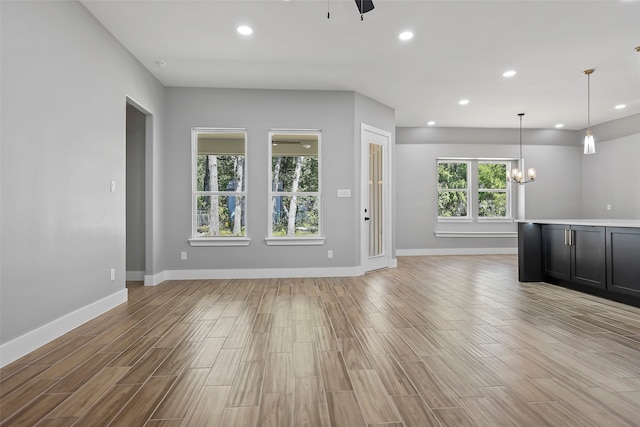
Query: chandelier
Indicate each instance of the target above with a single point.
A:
(516, 175)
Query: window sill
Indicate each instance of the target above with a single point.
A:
(499, 220)
(454, 219)
(219, 241)
(294, 241)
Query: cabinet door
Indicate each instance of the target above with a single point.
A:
(588, 260)
(556, 253)
(623, 260)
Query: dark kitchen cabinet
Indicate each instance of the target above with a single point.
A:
(623, 260)
(574, 254)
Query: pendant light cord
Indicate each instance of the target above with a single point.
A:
(589, 101)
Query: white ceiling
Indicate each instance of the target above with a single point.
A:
(460, 50)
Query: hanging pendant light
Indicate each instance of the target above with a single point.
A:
(589, 143)
(516, 175)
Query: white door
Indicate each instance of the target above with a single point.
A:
(375, 198)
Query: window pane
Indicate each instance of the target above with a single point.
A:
(452, 203)
(492, 175)
(294, 173)
(452, 175)
(220, 216)
(220, 172)
(492, 204)
(295, 215)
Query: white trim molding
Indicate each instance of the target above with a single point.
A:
(219, 241)
(457, 251)
(251, 273)
(482, 234)
(294, 241)
(30, 341)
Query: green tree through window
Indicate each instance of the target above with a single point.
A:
(453, 191)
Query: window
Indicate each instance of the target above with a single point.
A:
(473, 189)
(453, 189)
(295, 186)
(219, 180)
(492, 190)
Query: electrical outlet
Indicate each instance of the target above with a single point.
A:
(608, 206)
(329, 254)
(113, 274)
(183, 256)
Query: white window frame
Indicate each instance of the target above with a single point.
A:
(509, 214)
(196, 240)
(294, 240)
(474, 190)
(468, 217)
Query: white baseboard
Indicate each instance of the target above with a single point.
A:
(252, 273)
(134, 276)
(30, 341)
(457, 251)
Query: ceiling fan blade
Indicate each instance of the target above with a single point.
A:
(364, 6)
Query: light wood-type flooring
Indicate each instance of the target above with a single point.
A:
(438, 341)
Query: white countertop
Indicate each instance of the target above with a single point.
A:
(595, 222)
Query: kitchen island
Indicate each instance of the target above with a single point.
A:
(601, 257)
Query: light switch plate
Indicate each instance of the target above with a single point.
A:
(344, 192)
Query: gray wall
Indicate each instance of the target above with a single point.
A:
(334, 113)
(135, 190)
(556, 192)
(610, 176)
(64, 90)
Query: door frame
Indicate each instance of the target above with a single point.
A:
(385, 260)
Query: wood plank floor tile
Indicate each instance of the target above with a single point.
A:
(108, 406)
(278, 377)
(178, 359)
(275, 410)
(415, 413)
(208, 408)
(145, 366)
(354, 355)
(36, 410)
(334, 372)
(207, 352)
(448, 340)
(304, 360)
(247, 386)
(309, 404)
(344, 410)
(20, 378)
(241, 416)
(21, 396)
(374, 402)
(87, 395)
(392, 376)
(225, 367)
(139, 409)
(435, 393)
(182, 394)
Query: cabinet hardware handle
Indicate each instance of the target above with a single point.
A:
(566, 239)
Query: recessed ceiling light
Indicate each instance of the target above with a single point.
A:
(463, 102)
(620, 106)
(431, 123)
(160, 64)
(406, 35)
(244, 30)
(559, 125)
(509, 73)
